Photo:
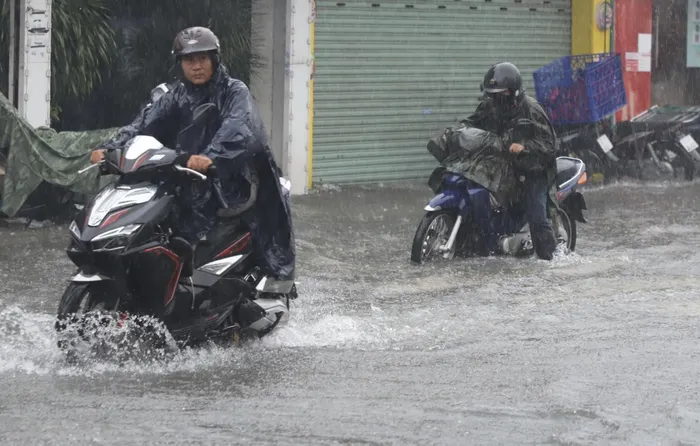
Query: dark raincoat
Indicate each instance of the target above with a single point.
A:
(484, 157)
(539, 156)
(238, 138)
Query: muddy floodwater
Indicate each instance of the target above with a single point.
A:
(597, 347)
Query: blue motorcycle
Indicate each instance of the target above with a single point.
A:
(465, 218)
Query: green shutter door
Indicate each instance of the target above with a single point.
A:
(390, 74)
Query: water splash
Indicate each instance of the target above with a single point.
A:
(25, 342)
(28, 343)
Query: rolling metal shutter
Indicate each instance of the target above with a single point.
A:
(390, 74)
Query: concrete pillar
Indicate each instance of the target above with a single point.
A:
(34, 74)
(298, 104)
(267, 81)
(262, 28)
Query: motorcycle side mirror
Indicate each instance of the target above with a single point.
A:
(112, 158)
(202, 113)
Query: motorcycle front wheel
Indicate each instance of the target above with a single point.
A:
(90, 325)
(433, 232)
(82, 298)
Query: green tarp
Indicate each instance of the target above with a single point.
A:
(42, 154)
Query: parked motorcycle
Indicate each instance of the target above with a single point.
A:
(131, 264)
(465, 218)
(591, 144)
(654, 144)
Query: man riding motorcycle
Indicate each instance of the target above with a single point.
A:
(504, 104)
(236, 144)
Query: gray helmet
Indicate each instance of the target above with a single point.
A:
(196, 39)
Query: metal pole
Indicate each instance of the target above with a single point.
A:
(21, 79)
(612, 46)
(12, 53)
(656, 35)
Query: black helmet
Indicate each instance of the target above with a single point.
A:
(197, 39)
(503, 88)
(501, 77)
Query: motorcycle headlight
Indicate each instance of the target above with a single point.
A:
(114, 239)
(111, 199)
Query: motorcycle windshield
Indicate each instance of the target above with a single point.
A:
(139, 150)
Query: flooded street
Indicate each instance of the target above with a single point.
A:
(598, 347)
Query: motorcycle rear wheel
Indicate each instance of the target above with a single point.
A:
(433, 231)
(567, 234)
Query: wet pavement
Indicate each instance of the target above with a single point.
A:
(597, 347)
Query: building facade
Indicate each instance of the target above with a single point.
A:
(351, 91)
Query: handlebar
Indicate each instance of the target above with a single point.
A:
(192, 171)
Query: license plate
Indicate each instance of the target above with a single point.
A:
(688, 143)
(605, 144)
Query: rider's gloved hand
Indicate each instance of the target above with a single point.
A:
(96, 156)
(200, 163)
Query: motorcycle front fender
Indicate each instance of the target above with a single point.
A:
(83, 277)
(448, 199)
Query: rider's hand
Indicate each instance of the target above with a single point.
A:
(200, 163)
(96, 156)
(516, 148)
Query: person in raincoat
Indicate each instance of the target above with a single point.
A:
(235, 141)
(504, 109)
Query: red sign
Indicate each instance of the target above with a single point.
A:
(632, 18)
